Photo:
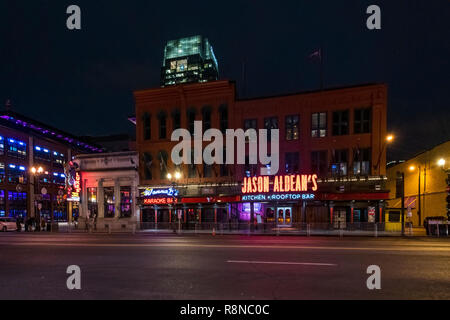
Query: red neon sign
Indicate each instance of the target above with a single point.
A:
(288, 183)
(158, 200)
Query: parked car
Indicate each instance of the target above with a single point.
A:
(7, 224)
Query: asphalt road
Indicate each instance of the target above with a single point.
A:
(33, 266)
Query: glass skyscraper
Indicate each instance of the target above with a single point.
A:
(188, 60)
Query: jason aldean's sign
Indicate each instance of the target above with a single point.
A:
(280, 184)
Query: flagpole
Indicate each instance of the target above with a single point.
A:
(321, 69)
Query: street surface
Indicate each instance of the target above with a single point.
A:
(33, 266)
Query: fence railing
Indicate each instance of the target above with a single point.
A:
(245, 228)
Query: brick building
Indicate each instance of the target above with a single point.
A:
(26, 144)
(337, 135)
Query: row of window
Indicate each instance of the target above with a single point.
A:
(340, 123)
(126, 202)
(18, 149)
(176, 121)
(16, 174)
(13, 148)
(319, 126)
(339, 164)
(17, 204)
(46, 155)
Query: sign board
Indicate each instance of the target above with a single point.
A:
(74, 192)
(371, 214)
(280, 184)
(152, 192)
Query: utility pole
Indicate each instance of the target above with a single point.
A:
(400, 193)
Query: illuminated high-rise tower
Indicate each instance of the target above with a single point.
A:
(188, 60)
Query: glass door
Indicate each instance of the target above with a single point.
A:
(284, 216)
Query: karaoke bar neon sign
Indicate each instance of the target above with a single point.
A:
(280, 184)
(150, 192)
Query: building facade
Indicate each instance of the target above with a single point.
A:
(33, 171)
(331, 156)
(188, 60)
(108, 189)
(425, 182)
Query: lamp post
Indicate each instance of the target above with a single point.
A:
(36, 172)
(441, 163)
(412, 168)
(174, 178)
(388, 139)
(400, 193)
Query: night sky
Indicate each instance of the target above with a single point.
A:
(82, 81)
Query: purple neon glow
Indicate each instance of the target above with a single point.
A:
(46, 132)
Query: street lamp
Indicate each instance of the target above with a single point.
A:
(389, 139)
(36, 172)
(174, 178)
(441, 163)
(412, 168)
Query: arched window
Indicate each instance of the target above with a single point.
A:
(223, 118)
(147, 126)
(162, 118)
(148, 161)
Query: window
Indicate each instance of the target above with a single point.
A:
(148, 161)
(58, 159)
(46, 208)
(42, 154)
(340, 163)
(2, 172)
(2, 203)
(176, 118)
(191, 120)
(340, 123)
(361, 161)
(206, 114)
(147, 127)
(269, 124)
(17, 149)
(2, 145)
(125, 202)
(60, 211)
(17, 174)
(181, 65)
(192, 168)
(363, 120)
(319, 162)
(250, 124)
(43, 178)
(17, 203)
(162, 125)
(109, 202)
(292, 123)
(223, 117)
(319, 125)
(92, 201)
(58, 178)
(224, 167)
(250, 170)
(207, 170)
(291, 162)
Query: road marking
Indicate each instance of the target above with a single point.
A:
(285, 263)
(181, 245)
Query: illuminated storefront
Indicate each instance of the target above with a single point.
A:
(106, 187)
